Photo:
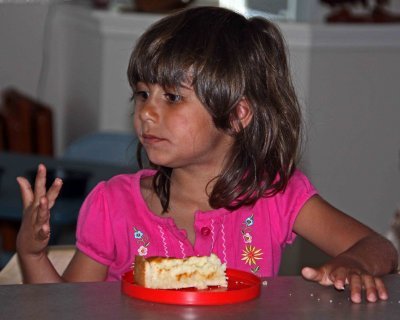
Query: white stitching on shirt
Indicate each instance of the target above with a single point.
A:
(164, 241)
(182, 249)
(223, 241)
(212, 234)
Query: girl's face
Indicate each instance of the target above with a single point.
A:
(175, 128)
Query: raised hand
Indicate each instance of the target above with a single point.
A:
(34, 234)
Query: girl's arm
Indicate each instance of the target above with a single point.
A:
(360, 255)
(34, 234)
(81, 269)
(84, 269)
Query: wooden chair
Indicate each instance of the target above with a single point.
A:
(26, 125)
(2, 134)
(60, 256)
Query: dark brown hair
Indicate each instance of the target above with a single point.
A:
(226, 58)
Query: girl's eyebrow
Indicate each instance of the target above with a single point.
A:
(140, 83)
(179, 87)
(186, 86)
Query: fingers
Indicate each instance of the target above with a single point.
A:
(339, 278)
(318, 275)
(30, 196)
(54, 191)
(26, 191)
(311, 274)
(374, 288)
(357, 280)
(355, 288)
(42, 221)
(380, 286)
(40, 183)
(371, 293)
(360, 282)
(34, 233)
(40, 187)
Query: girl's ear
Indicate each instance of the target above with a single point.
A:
(244, 114)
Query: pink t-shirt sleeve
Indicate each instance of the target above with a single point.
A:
(94, 231)
(289, 204)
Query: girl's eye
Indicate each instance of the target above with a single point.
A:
(140, 95)
(171, 97)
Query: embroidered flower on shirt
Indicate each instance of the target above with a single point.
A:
(251, 254)
(249, 221)
(247, 237)
(138, 234)
(142, 251)
(142, 240)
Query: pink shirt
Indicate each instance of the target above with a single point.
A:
(115, 224)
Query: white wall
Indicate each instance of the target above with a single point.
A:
(21, 43)
(354, 132)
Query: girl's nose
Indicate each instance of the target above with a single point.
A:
(148, 110)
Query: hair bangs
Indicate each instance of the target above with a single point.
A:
(160, 68)
(167, 61)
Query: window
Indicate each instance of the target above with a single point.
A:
(272, 9)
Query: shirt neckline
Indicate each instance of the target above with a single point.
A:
(168, 220)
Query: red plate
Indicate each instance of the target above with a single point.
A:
(242, 286)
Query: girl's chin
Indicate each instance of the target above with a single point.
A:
(159, 162)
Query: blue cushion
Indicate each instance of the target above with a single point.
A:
(113, 148)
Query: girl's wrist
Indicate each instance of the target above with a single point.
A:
(373, 254)
(31, 257)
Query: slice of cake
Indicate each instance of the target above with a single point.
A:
(174, 273)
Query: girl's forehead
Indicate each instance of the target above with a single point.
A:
(181, 86)
(168, 78)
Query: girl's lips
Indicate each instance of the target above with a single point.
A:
(150, 139)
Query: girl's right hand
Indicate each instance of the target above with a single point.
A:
(34, 234)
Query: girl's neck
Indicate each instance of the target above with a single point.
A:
(192, 188)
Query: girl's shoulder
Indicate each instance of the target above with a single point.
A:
(117, 194)
(299, 179)
(299, 183)
(299, 188)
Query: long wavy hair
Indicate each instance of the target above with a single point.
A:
(227, 57)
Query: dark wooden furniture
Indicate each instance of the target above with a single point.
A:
(26, 125)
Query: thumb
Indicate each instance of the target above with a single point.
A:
(312, 274)
(26, 191)
(320, 275)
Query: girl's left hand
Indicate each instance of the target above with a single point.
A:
(341, 271)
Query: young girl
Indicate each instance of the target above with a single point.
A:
(217, 116)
